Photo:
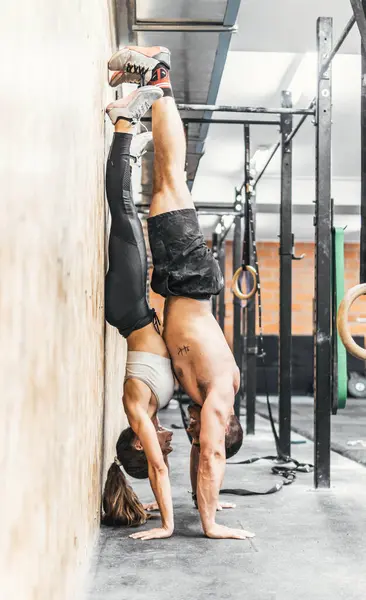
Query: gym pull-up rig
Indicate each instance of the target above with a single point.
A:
(243, 212)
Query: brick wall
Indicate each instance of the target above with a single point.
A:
(302, 289)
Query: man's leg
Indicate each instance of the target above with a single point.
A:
(183, 264)
(170, 191)
(150, 66)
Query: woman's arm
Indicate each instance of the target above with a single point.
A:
(136, 401)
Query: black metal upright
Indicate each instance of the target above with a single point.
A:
(359, 10)
(215, 239)
(250, 355)
(363, 168)
(237, 309)
(285, 331)
(222, 262)
(323, 242)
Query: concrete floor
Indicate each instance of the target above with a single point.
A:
(348, 425)
(308, 545)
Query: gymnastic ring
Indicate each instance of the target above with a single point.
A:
(342, 321)
(235, 283)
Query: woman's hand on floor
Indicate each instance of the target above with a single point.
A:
(152, 534)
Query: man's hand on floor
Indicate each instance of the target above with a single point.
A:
(220, 532)
(152, 534)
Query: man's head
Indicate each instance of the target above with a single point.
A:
(131, 453)
(233, 430)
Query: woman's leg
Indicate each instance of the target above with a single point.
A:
(126, 305)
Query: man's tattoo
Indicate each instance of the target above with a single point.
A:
(183, 350)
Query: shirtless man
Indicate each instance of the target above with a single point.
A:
(186, 274)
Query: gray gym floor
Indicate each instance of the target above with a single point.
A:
(308, 545)
(348, 425)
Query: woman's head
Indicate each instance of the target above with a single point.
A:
(120, 503)
(131, 453)
(233, 430)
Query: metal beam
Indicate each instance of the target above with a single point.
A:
(199, 121)
(224, 41)
(184, 26)
(215, 242)
(265, 208)
(249, 313)
(337, 45)
(261, 173)
(285, 331)
(237, 310)
(326, 64)
(299, 124)
(230, 121)
(359, 10)
(363, 169)
(274, 150)
(259, 110)
(222, 262)
(323, 246)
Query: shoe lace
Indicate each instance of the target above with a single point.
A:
(136, 69)
(141, 111)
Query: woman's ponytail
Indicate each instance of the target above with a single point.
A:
(121, 506)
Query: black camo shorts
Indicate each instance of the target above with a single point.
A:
(183, 264)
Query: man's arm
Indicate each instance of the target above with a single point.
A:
(136, 410)
(211, 468)
(194, 462)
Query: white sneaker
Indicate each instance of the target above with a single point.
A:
(137, 63)
(135, 105)
(138, 146)
(118, 77)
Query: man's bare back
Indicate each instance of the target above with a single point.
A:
(199, 351)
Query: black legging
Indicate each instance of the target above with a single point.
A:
(126, 304)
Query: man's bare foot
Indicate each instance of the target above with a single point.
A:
(151, 506)
(220, 532)
(220, 506)
(224, 505)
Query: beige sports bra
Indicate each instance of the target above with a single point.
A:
(155, 371)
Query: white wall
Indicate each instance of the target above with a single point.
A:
(52, 347)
